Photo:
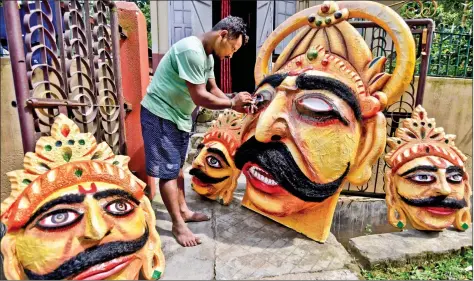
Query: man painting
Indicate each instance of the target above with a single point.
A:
(181, 83)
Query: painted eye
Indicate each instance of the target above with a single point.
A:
(59, 218)
(119, 207)
(262, 98)
(423, 178)
(213, 162)
(455, 178)
(317, 110)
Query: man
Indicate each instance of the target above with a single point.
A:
(181, 83)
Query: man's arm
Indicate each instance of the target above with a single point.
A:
(202, 97)
(214, 89)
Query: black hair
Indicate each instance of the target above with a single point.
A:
(235, 27)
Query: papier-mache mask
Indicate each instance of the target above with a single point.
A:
(427, 180)
(213, 169)
(77, 212)
(319, 120)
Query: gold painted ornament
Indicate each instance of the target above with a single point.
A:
(77, 212)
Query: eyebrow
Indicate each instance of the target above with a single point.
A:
(218, 152)
(200, 146)
(274, 80)
(115, 192)
(452, 169)
(311, 82)
(66, 199)
(420, 168)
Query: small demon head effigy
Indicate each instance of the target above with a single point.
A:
(77, 212)
(213, 170)
(427, 180)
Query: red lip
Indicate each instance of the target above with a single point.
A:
(440, 210)
(196, 181)
(260, 185)
(104, 270)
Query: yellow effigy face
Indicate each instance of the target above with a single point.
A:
(427, 182)
(77, 212)
(214, 173)
(89, 231)
(304, 144)
(319, 122)
(430, 190)
(213, 169)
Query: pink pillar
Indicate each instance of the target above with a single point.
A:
(135, 80)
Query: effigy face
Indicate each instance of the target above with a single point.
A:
(427, 182)
(213, 170)
(319, 122)
(77, 212)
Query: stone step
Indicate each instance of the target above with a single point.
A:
(400, 248)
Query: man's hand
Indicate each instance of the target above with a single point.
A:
(241, 100)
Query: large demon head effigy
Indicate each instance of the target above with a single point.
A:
(319, 121)
(213, 170)
(427, 180)
(77, 212)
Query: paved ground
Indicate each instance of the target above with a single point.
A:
(240, 244)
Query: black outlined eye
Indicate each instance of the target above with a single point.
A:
(119, 207)
(422, 178)
(213, 162)
(58, 219)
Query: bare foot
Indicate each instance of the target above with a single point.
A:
(184, 236)
(190, 216)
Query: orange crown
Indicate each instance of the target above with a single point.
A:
(418, 137)
(226, 129)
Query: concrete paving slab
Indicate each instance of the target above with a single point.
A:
(399, 248)
(240, 244)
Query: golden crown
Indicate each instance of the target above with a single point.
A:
(65, 158)
(418, 137)
(226, 129)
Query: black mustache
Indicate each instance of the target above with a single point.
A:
(436, 201)
(276, 159)
(92, 256)
(204, 177)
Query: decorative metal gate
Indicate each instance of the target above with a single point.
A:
(377, 39)
(65, 59)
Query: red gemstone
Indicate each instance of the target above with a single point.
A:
(65, 130)
(299, 63)
(325, 62)
(325, 8)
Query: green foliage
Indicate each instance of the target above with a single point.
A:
(144, 6)
(451, 49)
(452, 267)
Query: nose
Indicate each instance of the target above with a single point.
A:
(96, 227)
(444, 188)
(272, 124)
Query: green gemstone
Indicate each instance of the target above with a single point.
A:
(156, 274)
(82, 142)
(318, 23)
(465, 226)
(67, 156)
(116, 163)
(312, 54)
(78, 173)
(48, 147)
(328, 20)
(400, 224)
(26, 181)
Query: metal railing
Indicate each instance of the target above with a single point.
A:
(65, 59)
(451, 52)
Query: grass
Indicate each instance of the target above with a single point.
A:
(452, 267)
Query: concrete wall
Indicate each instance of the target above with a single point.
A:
(11, 156)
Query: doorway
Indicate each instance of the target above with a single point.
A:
(243, 61)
